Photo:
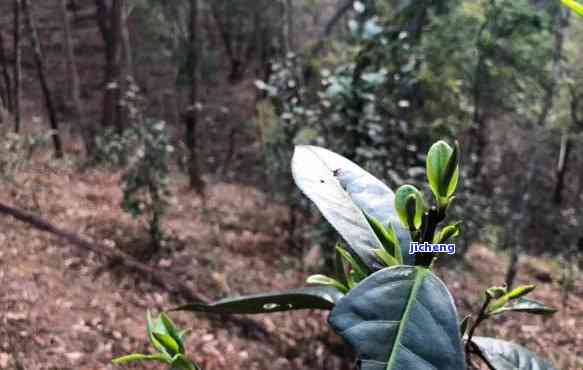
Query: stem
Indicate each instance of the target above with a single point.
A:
(433, 218)
(481, 317)
(478, 351)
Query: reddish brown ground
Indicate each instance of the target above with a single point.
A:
(63, 309)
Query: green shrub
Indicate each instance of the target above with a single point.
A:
(17, 149)
(146, 177)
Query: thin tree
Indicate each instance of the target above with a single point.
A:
(191, 115)
(109, 20)
(17, 65)
(72, 72)
(6, 82)
(39, 61)
(126, 42)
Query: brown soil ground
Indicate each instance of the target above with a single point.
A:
(63, 308)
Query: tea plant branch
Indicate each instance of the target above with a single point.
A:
(163, 279)
(482, 315)
(434, 217)
(476, 349)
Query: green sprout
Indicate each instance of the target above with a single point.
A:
(168, 341)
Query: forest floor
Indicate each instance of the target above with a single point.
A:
(64, 308)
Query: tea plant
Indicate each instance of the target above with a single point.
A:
(169, 343)
(145, 181)
(143, 154)
(16, 150)
(385, 301)
(113, 149)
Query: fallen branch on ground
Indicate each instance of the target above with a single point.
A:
(161, 278)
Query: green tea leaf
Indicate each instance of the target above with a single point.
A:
(452, 173)
(172, 331)
(441, 180)
(410, 218)
(151, 326)
(172, 348)
(387, 259)
(134, 357)
(339, 187)
(357, 267)
(448, 233)
(505, 355)
(388, 316)
(325, 280)
(388, 238)
(514, 294)
(525, 305)
(181, 362)
(322, 297)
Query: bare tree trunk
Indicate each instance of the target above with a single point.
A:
(38, 57)
(191, 116)
(289, 26)
(74, 82)
(110, 20)
(7, 88)
(170, 103)
(17, 65)
(126, 42)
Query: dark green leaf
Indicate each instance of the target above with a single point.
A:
(342, 190)
(401, 317)
(527, 306)
(505, 355)
(323, 298)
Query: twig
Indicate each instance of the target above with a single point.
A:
(481, 317)
(478, 351)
